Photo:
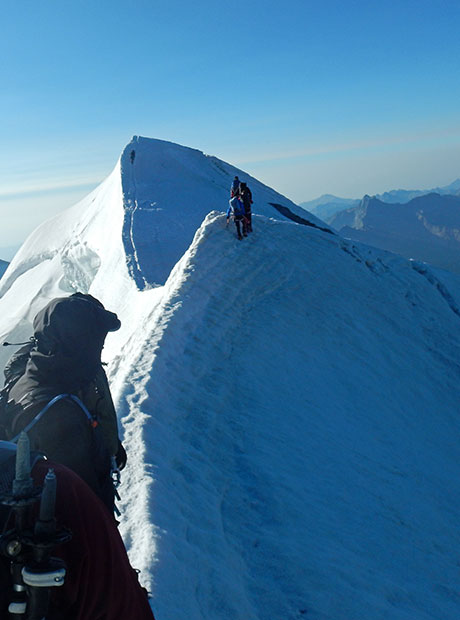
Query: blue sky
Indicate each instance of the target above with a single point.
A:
(344, 97)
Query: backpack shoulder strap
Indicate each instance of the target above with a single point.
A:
(92, 420)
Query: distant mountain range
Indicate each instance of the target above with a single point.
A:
(3, 266)
(287, 401)
(402, 196)
(426, 228)
(327, 205)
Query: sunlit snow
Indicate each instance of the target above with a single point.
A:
(289, 402)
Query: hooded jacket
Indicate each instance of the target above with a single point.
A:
(69, 335)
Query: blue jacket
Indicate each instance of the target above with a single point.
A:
(236, 207)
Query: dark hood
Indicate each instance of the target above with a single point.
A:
(69, 334)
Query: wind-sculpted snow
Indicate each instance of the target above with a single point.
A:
(78, 250)
(295, 406)
(289, 402)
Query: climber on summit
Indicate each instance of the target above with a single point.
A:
(236, 208)
(61, 396)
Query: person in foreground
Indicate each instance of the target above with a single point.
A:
(57, 391)
(98, 582)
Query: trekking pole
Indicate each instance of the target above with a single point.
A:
(44, 572)
(22, 498)
(29, 547)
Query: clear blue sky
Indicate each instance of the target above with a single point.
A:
(338, 96)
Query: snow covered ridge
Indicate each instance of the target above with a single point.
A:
(130, 231)
(295, 409)
(289, 402)
(167, 192)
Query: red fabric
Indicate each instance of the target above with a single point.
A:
(100, 583)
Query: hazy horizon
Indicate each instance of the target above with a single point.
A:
(39, 203)
(340, 98)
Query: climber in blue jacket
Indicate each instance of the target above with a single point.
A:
(236, 208)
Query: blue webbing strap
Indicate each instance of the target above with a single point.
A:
(54, 400)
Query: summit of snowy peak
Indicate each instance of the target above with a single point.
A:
(142, 217)
(167, 190)
(130, 231)
(287, 401)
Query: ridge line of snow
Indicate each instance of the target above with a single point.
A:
(130, 206)
(221, 498)
(278, 395)
(130, 397)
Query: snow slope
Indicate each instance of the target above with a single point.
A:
(298, 411)
(289, 403)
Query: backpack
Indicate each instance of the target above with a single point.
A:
(93, 397)
(27, 536)
(13, 371)
(246, 196)
(94, 402)
(237, 206)
(62, 362)
(58, 332)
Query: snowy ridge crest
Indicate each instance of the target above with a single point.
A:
(167, 192)
(288, 426)
(288, 402)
